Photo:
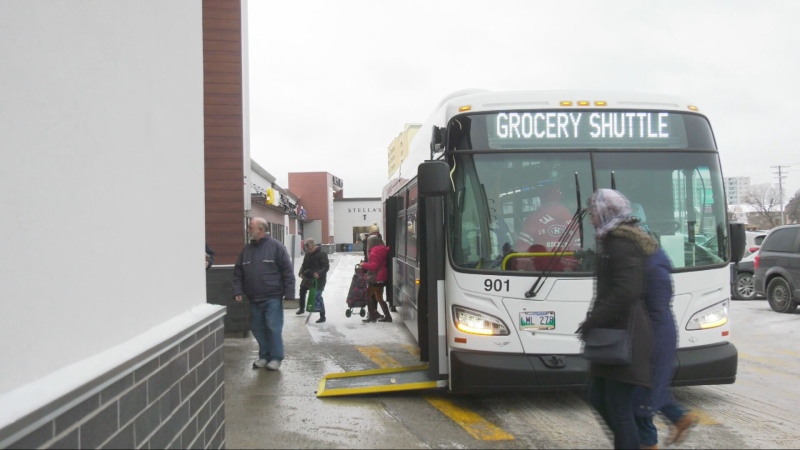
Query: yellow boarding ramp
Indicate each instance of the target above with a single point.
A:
(375, 381)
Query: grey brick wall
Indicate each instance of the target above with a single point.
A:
(218, 292)
(172, 398)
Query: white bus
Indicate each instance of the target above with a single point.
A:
(492, 258)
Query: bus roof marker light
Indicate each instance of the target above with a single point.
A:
(566, 103)
(692, 108)
(583, 103)
(465, 108)
(600, 103)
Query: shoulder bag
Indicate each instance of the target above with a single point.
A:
(609, 346)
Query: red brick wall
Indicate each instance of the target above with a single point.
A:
(224, 148)
(312, 188)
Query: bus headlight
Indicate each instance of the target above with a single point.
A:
(475, 322)
(714, 316)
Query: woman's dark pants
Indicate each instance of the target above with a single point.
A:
(612, 400)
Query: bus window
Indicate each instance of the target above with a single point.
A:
(411, 230)
(506, 207)
(400, 240)
(678, 198)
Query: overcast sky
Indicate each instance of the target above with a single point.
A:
(333, 82)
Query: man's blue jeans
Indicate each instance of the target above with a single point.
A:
(266, 318)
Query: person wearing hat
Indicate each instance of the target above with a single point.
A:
(377, 274)
(315, 267)
(374, 230)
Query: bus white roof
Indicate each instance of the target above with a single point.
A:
(511, 100)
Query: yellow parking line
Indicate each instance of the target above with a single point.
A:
(472, 423)
(376, 355)
(412, 349)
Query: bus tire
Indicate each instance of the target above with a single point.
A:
(779, 296)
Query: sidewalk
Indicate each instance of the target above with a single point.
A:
(279, 409)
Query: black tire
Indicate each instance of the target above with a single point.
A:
(744, 288)
(348, 313)
(362, 313)
(779, 296)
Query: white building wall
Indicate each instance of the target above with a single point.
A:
(104, 100)
(357, 212)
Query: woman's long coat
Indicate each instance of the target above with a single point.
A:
(619, 293)
(658, 300)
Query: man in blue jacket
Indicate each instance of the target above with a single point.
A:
(264, 273)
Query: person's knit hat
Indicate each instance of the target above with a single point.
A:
(374, 228)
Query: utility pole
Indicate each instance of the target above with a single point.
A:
(781, 176)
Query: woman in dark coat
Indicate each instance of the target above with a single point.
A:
(623, 249)
(647, 402)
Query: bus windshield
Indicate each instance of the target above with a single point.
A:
(509, 210)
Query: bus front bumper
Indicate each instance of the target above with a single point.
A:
(710, 364)
(504, 372)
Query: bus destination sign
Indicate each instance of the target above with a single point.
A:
(585, 128)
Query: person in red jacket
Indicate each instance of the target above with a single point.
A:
(541, 232)
(377, 274)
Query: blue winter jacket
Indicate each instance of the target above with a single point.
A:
(658, 299)
(264, 271)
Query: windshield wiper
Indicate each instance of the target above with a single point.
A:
(575, 225)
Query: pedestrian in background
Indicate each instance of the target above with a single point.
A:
(377, 274)
(648, 402)
(618, 304)
(265, 274)
(315, 267)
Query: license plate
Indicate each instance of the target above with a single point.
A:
(537, 320)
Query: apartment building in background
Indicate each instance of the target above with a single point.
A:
(736, 189)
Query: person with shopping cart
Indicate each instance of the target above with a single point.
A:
(377, 274)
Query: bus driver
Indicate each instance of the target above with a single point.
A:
(541, 232)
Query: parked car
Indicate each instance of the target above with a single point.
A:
(743, 286)
(777, 268)
(754, 240)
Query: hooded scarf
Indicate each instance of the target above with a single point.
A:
(610, 208)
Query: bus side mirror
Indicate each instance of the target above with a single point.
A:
(737, 238)
(433, 178)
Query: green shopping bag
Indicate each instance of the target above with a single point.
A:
(311, 297)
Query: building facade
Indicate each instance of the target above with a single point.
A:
(398, 148)
(736, 189)
(353, 217)
(317, 192)
(118, 348)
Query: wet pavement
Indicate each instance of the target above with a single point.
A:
(280, 409)
(266, 409)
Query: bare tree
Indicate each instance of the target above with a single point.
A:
(765, 200)
(793, 209)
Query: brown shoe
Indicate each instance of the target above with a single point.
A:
(649, 447)
(681, 429)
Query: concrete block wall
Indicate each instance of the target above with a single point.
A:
(218, 292)
(172, 398)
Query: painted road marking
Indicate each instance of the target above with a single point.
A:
(478, 427)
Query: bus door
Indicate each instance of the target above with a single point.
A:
(433, 182)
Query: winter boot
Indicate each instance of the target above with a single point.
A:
(387, 317)
(372, 311)
(681, 429)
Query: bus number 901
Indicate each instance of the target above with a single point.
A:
(495, 285)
